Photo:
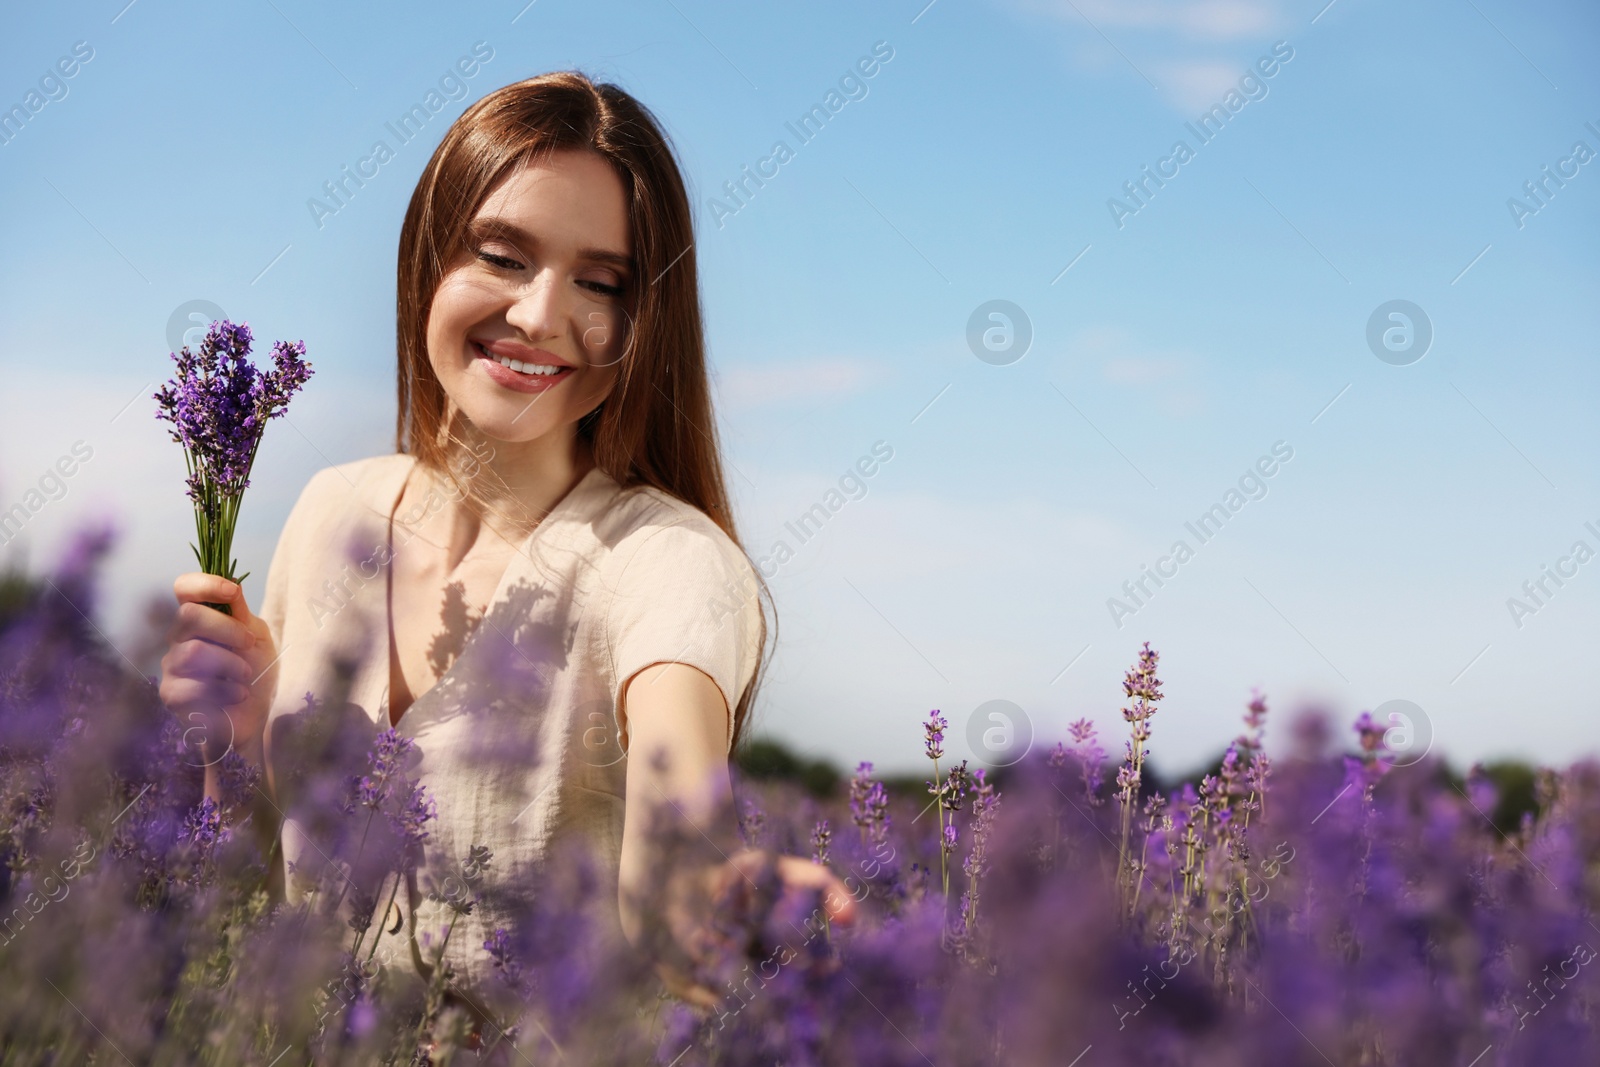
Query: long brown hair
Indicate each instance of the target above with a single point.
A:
(656, 427)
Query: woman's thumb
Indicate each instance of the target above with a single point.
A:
(239, 608)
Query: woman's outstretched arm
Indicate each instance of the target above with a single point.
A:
(678, 711)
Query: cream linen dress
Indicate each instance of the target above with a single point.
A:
(518, 740)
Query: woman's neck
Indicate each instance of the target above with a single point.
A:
(512, 485)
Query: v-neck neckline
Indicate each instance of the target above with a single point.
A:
(523, 551)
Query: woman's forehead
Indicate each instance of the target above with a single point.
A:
(570, 197)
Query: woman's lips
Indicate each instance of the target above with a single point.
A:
(515, 380)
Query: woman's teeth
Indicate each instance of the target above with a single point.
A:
(542, 369)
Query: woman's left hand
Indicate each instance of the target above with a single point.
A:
(697, 896)
(674, 727)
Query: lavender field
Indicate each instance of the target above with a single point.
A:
(1314, 907)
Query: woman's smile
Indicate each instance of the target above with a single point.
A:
(519, 367)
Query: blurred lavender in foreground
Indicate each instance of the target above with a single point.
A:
(1365, 912)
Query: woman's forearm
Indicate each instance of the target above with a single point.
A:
(675, 720)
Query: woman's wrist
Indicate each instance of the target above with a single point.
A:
(211, 756)
(249, 749)
(223, 737)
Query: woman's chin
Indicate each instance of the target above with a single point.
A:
(507, 429)
(515, 423)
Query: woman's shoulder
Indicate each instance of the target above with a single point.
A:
(357, 491)
(643, 517)
(360, 481)
(341, 510)
(676, 581)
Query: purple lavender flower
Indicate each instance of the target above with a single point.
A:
(1232, 772)
(949, 839)
(415, 811)
(751, 821)
(984, 806)
(821, 838)
(1255, 719)
(1255, 782)
(1366, 768)
(502, 951)
(933, 731)
(869, 805)
(385, 764)
(239, 779)
(204, 826)
(1092, 758)
(1370, 733)
(1142, 686)
(958, 785)
(219, 403)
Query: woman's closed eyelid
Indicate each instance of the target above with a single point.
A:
(608, 288)
(509, 263)
(497, 259)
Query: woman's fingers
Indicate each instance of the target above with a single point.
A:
(681, 985)
(215, 664)
(195, 621)
(803, 874)
(198, 676)
(204, 588)
(204, 661)
(699, 941)
(203, 695)
(200, 588)
(797, 874)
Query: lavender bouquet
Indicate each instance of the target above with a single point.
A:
(219, 403)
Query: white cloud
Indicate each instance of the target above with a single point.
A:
(1168, 375)
(1205, 20)
(1135, 370)
(1193, 51)
(1193, 86)
(1125, 361)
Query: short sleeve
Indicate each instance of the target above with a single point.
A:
(686, 595)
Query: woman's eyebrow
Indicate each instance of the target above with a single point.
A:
(494, 226)
(606, 255)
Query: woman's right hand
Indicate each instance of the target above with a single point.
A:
(220, 671)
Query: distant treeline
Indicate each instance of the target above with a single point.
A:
(767, 759)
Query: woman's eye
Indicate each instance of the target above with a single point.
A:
(602, 287)
(499, 261)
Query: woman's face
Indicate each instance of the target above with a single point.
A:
(527, 325)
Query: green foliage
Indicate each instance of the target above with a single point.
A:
(765, 758)
(17, 591)
(1515, 781)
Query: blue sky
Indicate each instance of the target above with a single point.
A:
(1226, 314)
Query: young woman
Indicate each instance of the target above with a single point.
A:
(546, 573)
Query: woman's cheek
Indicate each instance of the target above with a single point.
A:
(436, 339)
(602, 337)
(605, 382)
(451, 314)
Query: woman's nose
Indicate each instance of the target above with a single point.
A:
(539, 309)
